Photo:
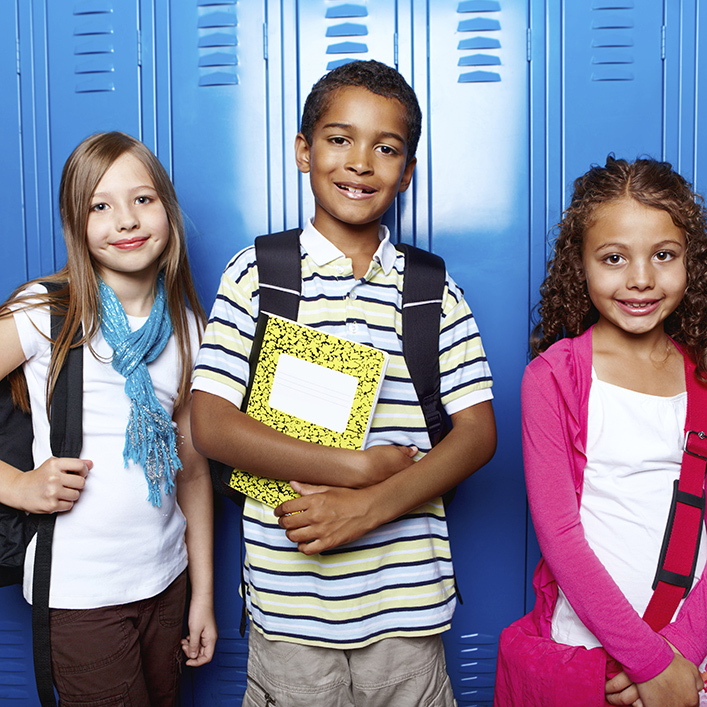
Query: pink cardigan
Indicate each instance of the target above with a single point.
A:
(555, 395)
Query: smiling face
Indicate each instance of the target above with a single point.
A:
(634, 263)
(357, 161)
(127, 228)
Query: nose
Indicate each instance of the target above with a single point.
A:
(358, 160)
(640, 275)
(126, 218)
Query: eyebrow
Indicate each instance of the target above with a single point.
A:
(349, 126)
(107, 193)
(618, 244)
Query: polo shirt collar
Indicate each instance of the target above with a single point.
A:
(322, 251)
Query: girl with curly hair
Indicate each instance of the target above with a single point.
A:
(622, 337)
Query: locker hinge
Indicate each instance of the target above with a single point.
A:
(395, 48)
(528, 44)
(139, 48)
(17, 54)
(265, 41)
(662, 42)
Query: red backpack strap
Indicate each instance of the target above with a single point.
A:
(678, 557)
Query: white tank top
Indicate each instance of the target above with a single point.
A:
(634, 453)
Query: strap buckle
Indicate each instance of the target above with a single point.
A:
(702, 454)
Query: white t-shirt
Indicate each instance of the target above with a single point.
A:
(634, 454)
(113, 546)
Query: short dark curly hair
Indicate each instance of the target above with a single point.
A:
(566, 310)
(377, 78)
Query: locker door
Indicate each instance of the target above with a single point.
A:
(219, 130)
(93, 81)
(475, 215)
(330, 35)
(16, 673)
(220, 150)
(611, 90)
(14, 264)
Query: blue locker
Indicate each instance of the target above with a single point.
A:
(14, 265)
(477, 203)
(219, 130)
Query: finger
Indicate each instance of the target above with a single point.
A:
(75, 482)
(307, 489)
(410, 451)
(68, 495)
(619, 682)
(312, 547)
(75, 466)
(287, 508)
(293, 521)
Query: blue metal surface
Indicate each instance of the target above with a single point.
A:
(519, 97)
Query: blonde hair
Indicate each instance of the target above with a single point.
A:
(78, 300)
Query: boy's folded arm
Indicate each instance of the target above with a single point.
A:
(323, 517)
(221, 431)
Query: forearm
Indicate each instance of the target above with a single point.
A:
(222, 432)
(326, 517)
(686, 633)
(195, 498)
(10, 486)
(470, 444)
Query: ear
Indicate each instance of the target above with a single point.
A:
(302, 153)
(407, 175)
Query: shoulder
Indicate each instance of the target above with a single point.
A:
(241, 264)
(565, 366)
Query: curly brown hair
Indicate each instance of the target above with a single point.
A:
(565, 309)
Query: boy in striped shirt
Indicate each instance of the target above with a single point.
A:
(349, 587)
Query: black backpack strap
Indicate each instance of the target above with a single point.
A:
(280, 272)
(280, 284)
(66, 434)
(423, 290)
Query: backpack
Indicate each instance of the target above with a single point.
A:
(280, 276)
(16, 527)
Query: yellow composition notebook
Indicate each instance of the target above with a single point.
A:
(310, 385)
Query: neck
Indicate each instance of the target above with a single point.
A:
(651, 346)
(357, 242)
(136, 294)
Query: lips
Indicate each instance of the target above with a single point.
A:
(356, 191)
(639, 307)
(130, 243)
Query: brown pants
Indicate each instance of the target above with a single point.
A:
(120, 656)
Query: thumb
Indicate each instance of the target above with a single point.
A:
(306, 489)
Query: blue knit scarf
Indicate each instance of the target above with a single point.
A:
(150, 440)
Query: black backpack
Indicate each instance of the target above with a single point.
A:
(16, 527)
(280, 277)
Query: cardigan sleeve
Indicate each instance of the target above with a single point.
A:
(551, 430)
(687, 632)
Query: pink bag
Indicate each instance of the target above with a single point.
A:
(534, 671)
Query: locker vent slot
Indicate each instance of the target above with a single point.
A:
(483, 27)
(93, 47)
(612, 40)
(231, 657)
(340, 30)
(16, 676)
(476, 657)
(218, 42)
